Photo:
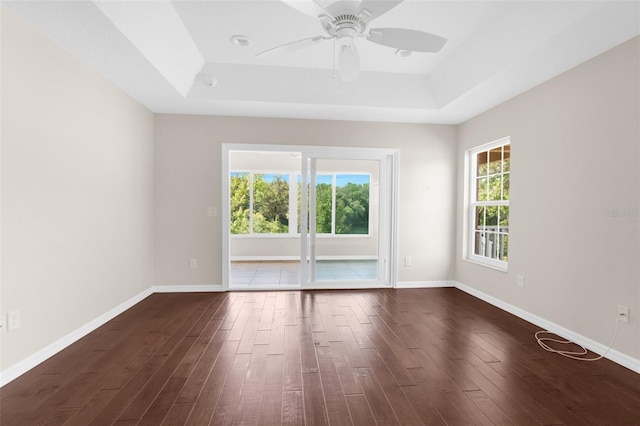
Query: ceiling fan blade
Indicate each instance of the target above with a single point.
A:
(348, 61)
(308, 7)
(412, 40)
(377, 7)
(290, 47)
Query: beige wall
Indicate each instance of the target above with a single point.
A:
(76, 192)
(188, 180)
(575, 156)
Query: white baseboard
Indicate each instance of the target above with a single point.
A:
(425, 284)
(213, 288)
(47, 352)
(613, 355)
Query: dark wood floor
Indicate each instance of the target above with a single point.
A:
(427, 356)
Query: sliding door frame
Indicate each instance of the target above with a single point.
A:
(389, 155)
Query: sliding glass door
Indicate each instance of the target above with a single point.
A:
(345, 211)
(307, 217)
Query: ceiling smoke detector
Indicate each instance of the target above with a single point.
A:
(403, 53)
(207, 79)
(240, 40)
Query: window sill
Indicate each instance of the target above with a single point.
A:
(499, 268)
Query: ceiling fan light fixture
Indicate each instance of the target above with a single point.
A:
(348, 59)
(240, 40)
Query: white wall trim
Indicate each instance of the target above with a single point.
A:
(213, 288)
(47, 352)
(425, 284)
(613, 355)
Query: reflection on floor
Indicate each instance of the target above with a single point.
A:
(288, 273)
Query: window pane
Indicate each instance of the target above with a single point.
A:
(492, 217)
(480, 217)
(300, 201)
(324, 204)
(239, 193)
(504, 218)
(482, 163)
(494, 188)
(507, 158)
(495, 158)
(481, 189)
(478, 243)
(505, 186)
(505, 247)
(352, 204)
(270, 204)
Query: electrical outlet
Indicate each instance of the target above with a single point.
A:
(407, 261)
(520, 281)
(212, 211)
(193, 263)
(623, 313)
(13, 320)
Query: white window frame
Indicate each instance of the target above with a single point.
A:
(472, 203)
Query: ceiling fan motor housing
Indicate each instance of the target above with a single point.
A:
(345, 25)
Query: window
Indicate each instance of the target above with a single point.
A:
(260, 204)
(342, 204)
(489, 203)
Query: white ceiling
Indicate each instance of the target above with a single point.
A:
(158, 52)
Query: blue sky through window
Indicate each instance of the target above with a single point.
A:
(342, 180)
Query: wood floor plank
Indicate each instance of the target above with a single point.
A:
(359, 409)
(380, 408)
(151, 388)
(248, 338)
(292, 367)
(178, 414)
(229, 400)
(276, 338)
(292, 408)
(384, 356)
(266, 319)
(315, 412)
(163, 403)
(422, 399)
(308, 360)
(335, 402)
(403, 410)
(271, 405)
(201, 372)
(344, 368)
(253, 389)
(212, 388)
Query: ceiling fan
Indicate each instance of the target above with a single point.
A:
(345, 21)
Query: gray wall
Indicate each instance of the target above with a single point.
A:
(77, 188)
(575, 143)
(188, 179)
